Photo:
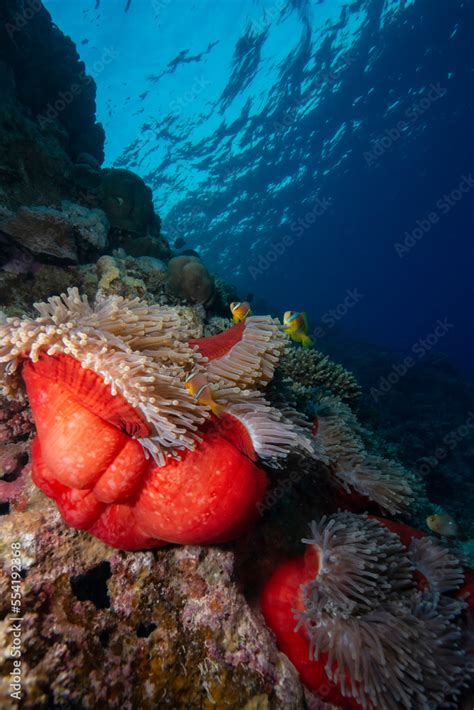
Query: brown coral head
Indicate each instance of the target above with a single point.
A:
(189, 279)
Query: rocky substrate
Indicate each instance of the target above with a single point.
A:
(168, 628)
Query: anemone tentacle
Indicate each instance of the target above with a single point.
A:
(383, 642)
(438, 566)
(381, 480)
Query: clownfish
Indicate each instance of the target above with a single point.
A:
(443, 524)
(198, 387)
(295, 324)
(240, 311)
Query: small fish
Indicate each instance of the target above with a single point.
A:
(250, 297)
(190, 252)
(240, 311)
(180, 242)
(443, 524)
(295, 325)
(197, 385)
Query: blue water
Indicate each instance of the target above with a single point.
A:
(317, 153)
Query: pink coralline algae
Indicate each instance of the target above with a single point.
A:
(16, 429)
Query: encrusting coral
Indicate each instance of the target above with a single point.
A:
(153, 629)
(107, 388)
(119, 274)
(310, 368)
(107, 271)
(368, 617)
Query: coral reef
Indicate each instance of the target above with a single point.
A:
(108, 272)
(40, 281)
(224, 658)
(91, 224)
(42, 231)
(47, 117)
(126, 276)
(153, 272)
(53, 194)
(45, 66)
(362, 475)
(189, 279)
(62, 234)
(134, 226)
(216, 325)
(356, 588)
(118, 273)
(131, 454)
(127, 201)
(144, 629)
(426, 416)
(224, 294)
(153, 245)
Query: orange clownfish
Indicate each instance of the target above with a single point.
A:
(240, 311)
(295, 324)
(197, 385)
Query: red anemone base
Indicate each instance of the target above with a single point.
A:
(86, 456)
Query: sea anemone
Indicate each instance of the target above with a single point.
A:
(360, 625)
(137, 349)
(436, 565)
(106, 384)
(355, 470)
(240, 359)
